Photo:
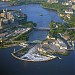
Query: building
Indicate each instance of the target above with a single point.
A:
(67, 2)
(6, 17)
(61, 1)
(2, 15)
(1, 41)
(60, 44)
(9, 16)
(73, 0)
(52, 1)
(69, 10)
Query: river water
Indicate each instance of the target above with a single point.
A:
(3, 5)
(33, 12)
(11, 66)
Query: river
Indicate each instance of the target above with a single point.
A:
(11, 66)
(33, 12)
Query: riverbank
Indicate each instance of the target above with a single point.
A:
(55, 6)
(49, 8)
(18, 3)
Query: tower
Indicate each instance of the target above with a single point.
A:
(14, 50)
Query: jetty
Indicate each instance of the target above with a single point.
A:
(33, 56)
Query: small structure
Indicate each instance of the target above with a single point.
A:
(52, 1)
(69, 10)
(60, 44)
(14, 50)
(1, 41)
(50, 37)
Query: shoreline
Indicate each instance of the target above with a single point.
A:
(49, 8)
(8, 46)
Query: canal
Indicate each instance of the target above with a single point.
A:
(12, 66)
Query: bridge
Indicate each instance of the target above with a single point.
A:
(27, 42)
(34, 42)
(42, 28)
(48, 29)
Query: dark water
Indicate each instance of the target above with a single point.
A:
(11, 66)
(3, 4)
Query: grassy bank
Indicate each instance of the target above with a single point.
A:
(55, 6)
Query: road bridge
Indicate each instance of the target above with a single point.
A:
(48, 29)
(42, 28)
(34, 42)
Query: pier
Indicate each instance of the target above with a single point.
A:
(33, 56)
